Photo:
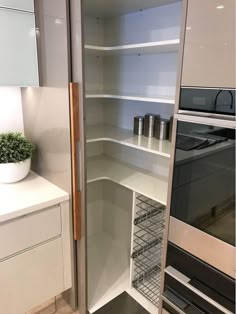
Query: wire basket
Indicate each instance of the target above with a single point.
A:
(149, 223)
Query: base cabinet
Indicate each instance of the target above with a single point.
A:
(31, 278)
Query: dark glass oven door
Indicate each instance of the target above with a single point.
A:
(203, 189)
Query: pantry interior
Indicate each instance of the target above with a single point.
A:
(131, 55)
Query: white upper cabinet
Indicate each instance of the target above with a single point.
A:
(18, 53)
(25, 5)
(209, 51)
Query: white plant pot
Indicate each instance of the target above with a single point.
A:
(13, 172)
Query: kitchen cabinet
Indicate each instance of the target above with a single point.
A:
(209, 47)
(25, 5)
(18, 54)
(130, 53)
(35, 244)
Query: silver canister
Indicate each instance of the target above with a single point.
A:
(162, 129)
(138, 125)
(149, 122)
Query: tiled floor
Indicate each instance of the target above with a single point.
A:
(66, 310)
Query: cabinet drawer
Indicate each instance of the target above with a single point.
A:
(26, 5)
(28, 231)
(31, 278)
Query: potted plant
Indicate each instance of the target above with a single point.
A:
(15, 157)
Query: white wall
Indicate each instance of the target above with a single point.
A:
(11, 117)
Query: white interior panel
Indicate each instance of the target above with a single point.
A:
(145, 75)
(94, 30)
(108, 242)
(114, 7)
(144, 26)
(152, 163)
(94, 73)
(121, 113)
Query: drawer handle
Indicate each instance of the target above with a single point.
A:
(185, 281)
(75, 137)
(172, 305)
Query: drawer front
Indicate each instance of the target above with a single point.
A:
(31, 278)
(27, 231)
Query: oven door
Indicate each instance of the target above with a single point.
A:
(192, 286)
(202, 201)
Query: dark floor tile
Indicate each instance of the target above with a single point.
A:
(123, 304)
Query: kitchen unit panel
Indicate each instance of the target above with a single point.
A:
(16, 232)
(31, 278)
(18, 54)
(24, 5)
(209, 49)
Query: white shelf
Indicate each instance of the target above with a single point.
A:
(108, 269)
(157, 99)
(131, 177)
(126, 137)
(142, 48)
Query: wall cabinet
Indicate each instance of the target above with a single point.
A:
(25, 5)
(18, 53)
(209, 49)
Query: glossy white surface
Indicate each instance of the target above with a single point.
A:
(18, 54)
(27, 196)
(11, 117)
(209, 53)
(157, 99)
(31, 278)
(142, 48)
(103, 168)
(27, 231)
(26, 5)
(126, 137)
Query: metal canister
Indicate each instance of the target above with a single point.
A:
(138, 125)
(162, 129)
(170, 128)
(149, 122)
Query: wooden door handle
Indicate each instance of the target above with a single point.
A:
(75, 137)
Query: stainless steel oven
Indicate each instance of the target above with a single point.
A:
(193, 287)
(202, 205)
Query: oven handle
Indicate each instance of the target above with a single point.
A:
(185, 281)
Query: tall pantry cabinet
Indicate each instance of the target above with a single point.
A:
(130, 56)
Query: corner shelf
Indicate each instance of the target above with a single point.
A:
(131, 177)
(157, 99)
(142, 48)
(126, 137)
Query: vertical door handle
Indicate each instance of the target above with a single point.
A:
(75, 137)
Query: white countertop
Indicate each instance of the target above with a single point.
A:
(29, 195)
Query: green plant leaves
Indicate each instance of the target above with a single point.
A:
(14, 147)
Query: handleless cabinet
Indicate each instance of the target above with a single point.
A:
(24, 5)
(18, 53)
(209, 49)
